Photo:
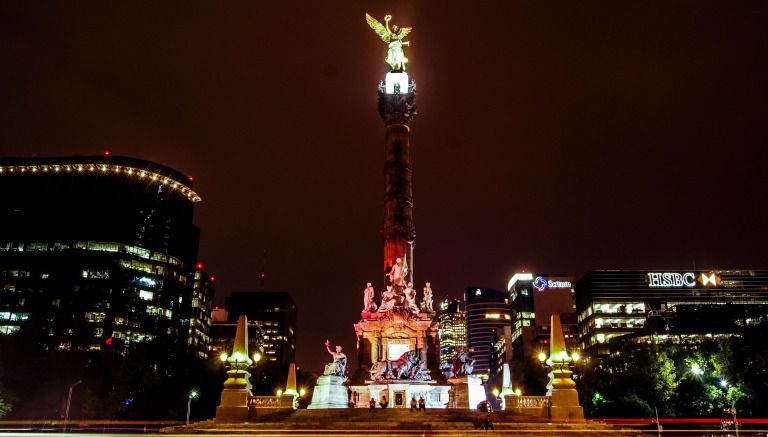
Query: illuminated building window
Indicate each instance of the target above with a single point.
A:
(146, 295)
(9, 329)
(105, 247)
(37, 247)
(136, 265)
(138, 251)
(95, 274)
(92, 316)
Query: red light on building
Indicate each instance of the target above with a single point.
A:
(213, 278)
(107, 153)
(191, 178)
(108, 341)
(199, 266)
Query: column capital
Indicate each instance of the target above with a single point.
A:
(397, 108)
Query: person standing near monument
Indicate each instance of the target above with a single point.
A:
(413, 404)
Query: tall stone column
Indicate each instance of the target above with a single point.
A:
(398, 232)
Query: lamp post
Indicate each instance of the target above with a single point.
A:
(724, 384)
(192, 395)
(69, 399)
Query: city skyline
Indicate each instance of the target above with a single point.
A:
(550, 138)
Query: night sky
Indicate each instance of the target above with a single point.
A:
(551, 136)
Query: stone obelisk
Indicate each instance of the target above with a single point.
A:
(561, 390)
(237, 387)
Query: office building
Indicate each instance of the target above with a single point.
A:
(223, 335)
(666, 306)
(489, 318)
(535, 297)
(275, 313)
(97, 252)
(453, 331)
(200, 309)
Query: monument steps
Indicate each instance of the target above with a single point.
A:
(390, 420)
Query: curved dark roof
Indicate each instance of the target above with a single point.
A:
(117, 165)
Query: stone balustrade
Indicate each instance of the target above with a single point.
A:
(527, 401)
(264, 402)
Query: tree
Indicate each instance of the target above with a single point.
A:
(7, 401)
(633, 380)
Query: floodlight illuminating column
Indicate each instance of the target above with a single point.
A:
(397, 106)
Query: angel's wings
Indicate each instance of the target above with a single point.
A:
(379, 28)
(403, 32)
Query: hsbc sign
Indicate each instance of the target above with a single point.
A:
(679, 280)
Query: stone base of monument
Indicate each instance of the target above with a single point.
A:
(565, 405)
(446, 422)
(466, 391)
(234, 406)
(330, 392)
(398, 394)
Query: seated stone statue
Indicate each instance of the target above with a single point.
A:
(388, 300)
(410, 298)
(339, 365)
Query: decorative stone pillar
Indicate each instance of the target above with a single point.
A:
(237, 387)
(564, 399)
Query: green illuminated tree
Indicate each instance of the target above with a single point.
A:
(7, 401)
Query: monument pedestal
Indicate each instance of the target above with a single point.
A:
(466, 391)
(564, 402)
(330, 392)
(234, 405)
(399, 394)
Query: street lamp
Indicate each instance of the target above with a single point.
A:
(192, 395)
(69, 400)
(724, 384)
(697, 370)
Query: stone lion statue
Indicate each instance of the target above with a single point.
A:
(408, 366)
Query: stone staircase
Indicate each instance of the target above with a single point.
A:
(393, 421)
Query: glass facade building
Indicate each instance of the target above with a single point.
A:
(666, 306)
(453, 331)
(275, 313)
(489, 318)
(98, 252)
(535, 297)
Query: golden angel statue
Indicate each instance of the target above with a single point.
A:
(395, 56)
